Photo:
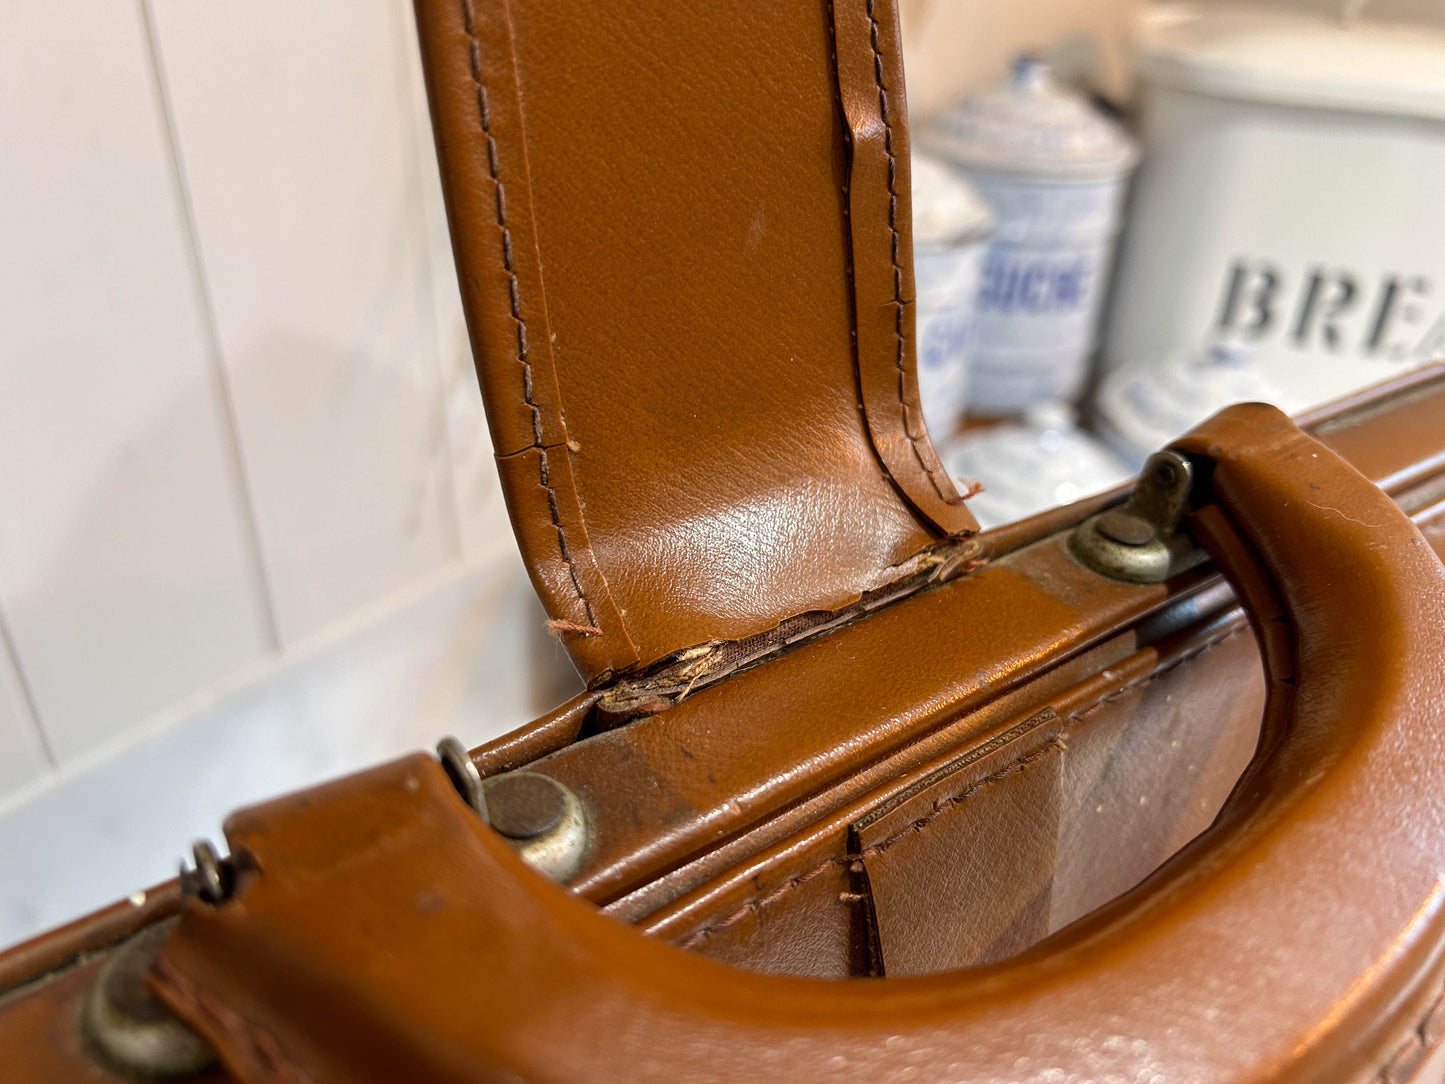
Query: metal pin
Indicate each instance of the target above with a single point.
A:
(544, 820)
(211, 878)
(457, 762)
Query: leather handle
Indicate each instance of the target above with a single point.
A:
(683, 246)
(389, 934)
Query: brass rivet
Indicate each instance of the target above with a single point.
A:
(127, 1028)
(1126, 529)
(525, 805)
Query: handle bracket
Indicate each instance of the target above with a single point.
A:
(1140, 541)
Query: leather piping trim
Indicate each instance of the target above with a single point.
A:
(1056, 744)
(47, 956)
(576, 594)
(870, 84)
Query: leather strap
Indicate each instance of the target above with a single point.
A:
(382, 932)
(686, 261)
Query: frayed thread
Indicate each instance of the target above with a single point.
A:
(561, 628)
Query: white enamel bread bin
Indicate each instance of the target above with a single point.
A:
(1289, 198)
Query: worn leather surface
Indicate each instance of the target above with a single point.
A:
(745, 901)
(42, 984)
(1315, 895)
(762, 908)
(673, 784)
(993, 849)
(730, 759)
(734, 915)
(388, 935)
(685, 255)
(41, 1042)
(1172, 723)
(61, 948)
(1378, 424)
(782, 919)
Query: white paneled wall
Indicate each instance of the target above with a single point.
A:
(250, 529)
(236, 404)
(445, 661)
(126, 577)
(23, 756)
(295, 133)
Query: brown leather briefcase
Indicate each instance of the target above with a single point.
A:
(1148, 788)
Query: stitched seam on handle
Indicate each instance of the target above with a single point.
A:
(899, 356)
(1387, 1074)
(484, 116)
(1055, 745)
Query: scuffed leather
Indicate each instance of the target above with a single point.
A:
(737, 916)
(998, 851)
(739, 752)
(812, 927)
(678, 262)
(1297, 939)
(732, 758)
(40, 1042)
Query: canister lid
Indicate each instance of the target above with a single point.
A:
(1143, 406)
(946, 209)
(1296, 58)
(1030, 125)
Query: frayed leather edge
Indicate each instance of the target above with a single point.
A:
(681, 674)
(542, 499)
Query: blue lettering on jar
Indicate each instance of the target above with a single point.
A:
(1037, 286)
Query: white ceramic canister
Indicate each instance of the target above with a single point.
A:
(1053, 169)
(1290, 195)
(951, 227)
(1142, 406)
